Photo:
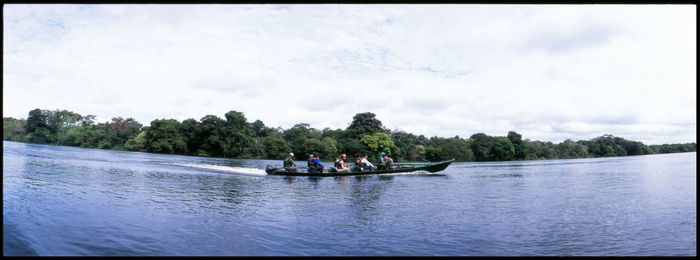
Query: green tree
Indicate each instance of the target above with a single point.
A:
(502, 149)
(538, 150)
(163, 137)
(606, 146)
(417, 152)
(235, 137)
(325, 148)
(336, 134)
(434, 154)
(314, 146)
(42, 136)
(14, 129)
(352, 147)
(330, 148)
(364, 124)
(480, 145)
(193, 135)
(211, 134)
(238, 144)
(407, 145)
(454, 147)
(137, 143)
(518, 144)
(120, 130)
(38, 127)
(59, 121)
(259, 129)
(74, 137)
(37, 119)
(378, 142)
(570, 149)
(236, 120)
(296, 138)
(274, 147)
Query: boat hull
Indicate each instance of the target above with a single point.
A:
(430, 167)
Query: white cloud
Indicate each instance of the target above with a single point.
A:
(547, 72)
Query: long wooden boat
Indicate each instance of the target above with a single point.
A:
(430, 167)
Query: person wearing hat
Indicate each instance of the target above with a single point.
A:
(289, 164)
(315, 165)
(382, 161)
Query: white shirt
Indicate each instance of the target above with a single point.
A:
(364, 160)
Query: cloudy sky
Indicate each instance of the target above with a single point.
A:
(547, 72)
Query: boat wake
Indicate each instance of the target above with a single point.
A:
(221, 168)
(416, 173)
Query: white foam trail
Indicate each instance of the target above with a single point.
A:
(415, 173)
(240, 170)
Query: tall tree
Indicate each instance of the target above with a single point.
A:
(502, 149)
(36, 119)
(163, 137)
(236, 120)
(517, 141)
(258, 128)
(365, 124)
(481, 144)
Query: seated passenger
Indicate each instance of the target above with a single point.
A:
(365, 164)
(389, 162)
(340, 165)
(315, 165)
(358, 165)
(289, 164)
(382, 161)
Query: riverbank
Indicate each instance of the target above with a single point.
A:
(235, 137)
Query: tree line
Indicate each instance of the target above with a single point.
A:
(234, 137)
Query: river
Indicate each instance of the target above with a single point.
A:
(68, 201)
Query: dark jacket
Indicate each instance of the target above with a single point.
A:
(288, 163)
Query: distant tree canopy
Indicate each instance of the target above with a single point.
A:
(234, 137)
(364, 124)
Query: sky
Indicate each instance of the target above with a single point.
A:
(548, 72)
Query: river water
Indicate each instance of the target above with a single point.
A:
(67, 201)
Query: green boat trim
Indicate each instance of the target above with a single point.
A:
(430, 167)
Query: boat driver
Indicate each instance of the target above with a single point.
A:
(289, 164)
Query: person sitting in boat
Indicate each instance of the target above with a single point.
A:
(389, 163)
(289, 164)
(358, 165)
(315, 165)
(340, 165)
(365, 164)
(382, 161)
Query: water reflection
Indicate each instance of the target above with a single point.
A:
(315, 180)
(365, 195)
(341, 185)
(386, 177)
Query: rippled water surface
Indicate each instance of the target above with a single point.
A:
(74, 201)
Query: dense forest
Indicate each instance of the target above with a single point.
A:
(234, 137)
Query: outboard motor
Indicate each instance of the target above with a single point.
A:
(269, 169)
